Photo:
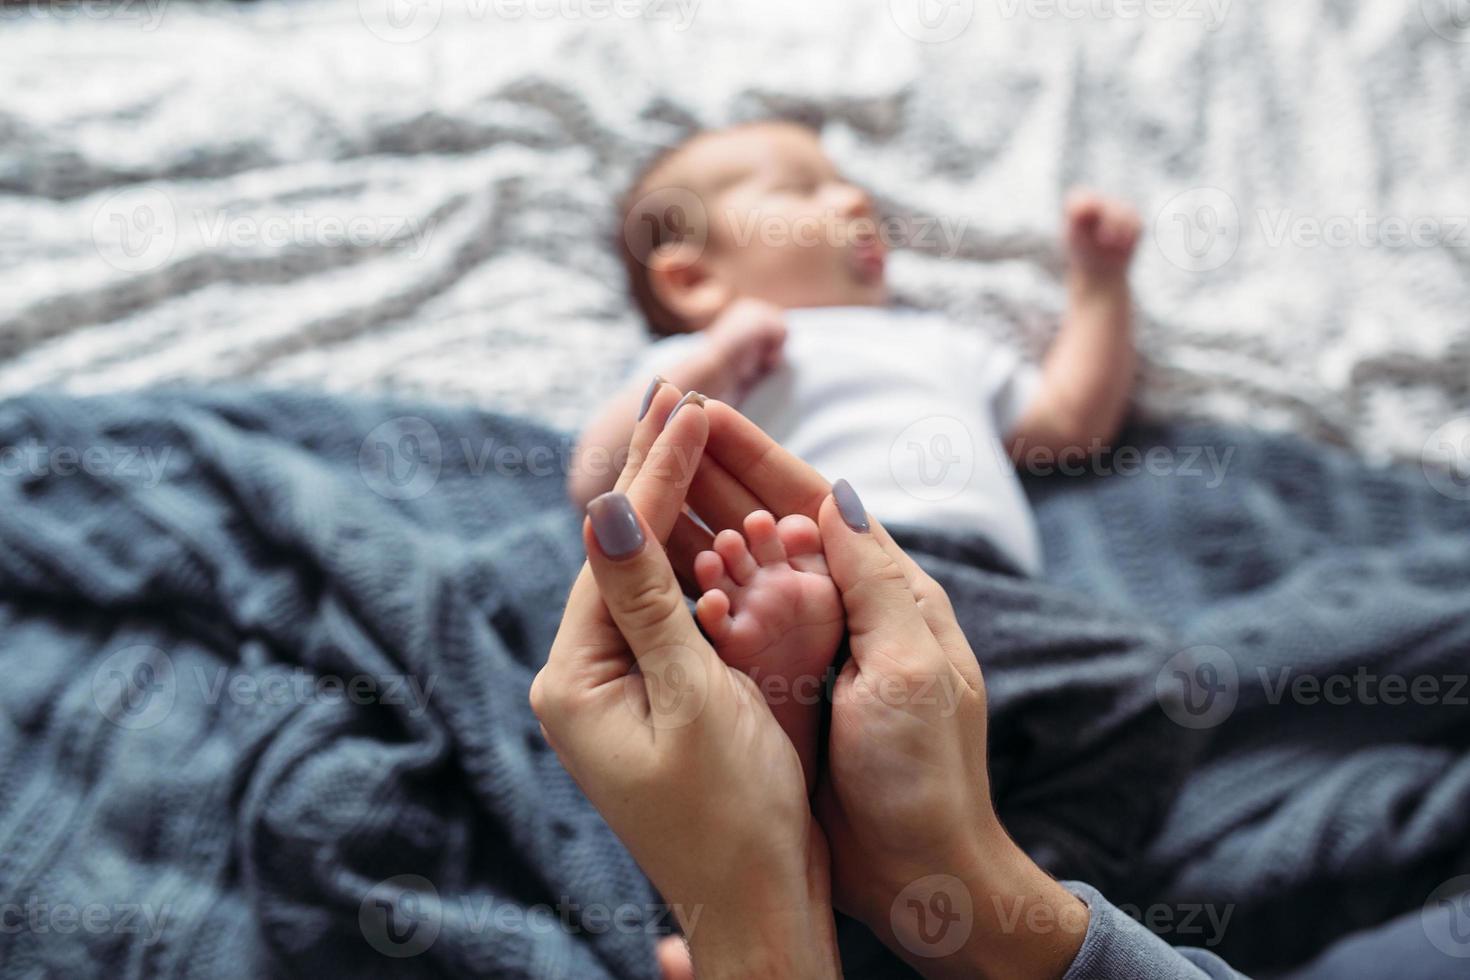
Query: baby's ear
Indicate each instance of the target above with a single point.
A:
(681, 279)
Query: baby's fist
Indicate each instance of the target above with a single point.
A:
(1101, 233)
(748, 338)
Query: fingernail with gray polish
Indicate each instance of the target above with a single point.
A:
(653, 387)
(693, 396)
(615, 525)
(849, 506)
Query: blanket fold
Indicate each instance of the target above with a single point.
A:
(267, 660)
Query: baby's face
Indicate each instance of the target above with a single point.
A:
(784, 225)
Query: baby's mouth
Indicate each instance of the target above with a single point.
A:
(869, 256)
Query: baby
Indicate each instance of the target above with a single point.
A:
(760, 265)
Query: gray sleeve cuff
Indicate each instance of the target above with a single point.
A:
(1117, 946)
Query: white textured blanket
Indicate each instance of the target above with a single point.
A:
(415, 194)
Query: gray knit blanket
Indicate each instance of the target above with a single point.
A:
(1324, 608)
(267, 658)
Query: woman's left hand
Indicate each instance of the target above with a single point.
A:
(677, 751)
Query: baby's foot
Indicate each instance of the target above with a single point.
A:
(772, 611)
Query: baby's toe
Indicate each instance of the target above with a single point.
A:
(709, 572)
(765, 543)
(713, 612)
(803, 542)
(739, 565)
(799, 535)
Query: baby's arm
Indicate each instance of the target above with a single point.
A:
(1087, 377)
(739, 348)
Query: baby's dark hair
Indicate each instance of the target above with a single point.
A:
(647, 221)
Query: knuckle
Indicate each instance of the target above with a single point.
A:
(882, 580)
(650, 605)
(541, 697)
(931, 592)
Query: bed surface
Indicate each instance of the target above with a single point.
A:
(319, 195)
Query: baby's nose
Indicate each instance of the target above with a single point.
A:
(854, 202)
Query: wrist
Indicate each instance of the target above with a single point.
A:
(775, 923)
(988, 911)
(1097, 285)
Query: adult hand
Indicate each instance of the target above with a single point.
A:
(918, 853)
(680, 755)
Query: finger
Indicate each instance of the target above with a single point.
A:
(883, 618)
(1082, 205)
(638, 587)
(934, 606)
(777, 480)
(739, 565)
(1114, 229)
(599, 653)
(718, 497)
(760, 532)
(657, 478)
(658, 401)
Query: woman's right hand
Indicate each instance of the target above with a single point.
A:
(918, 853)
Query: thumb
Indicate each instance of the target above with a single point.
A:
(883, 617)
(647, 605)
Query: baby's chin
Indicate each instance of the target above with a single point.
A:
(855, 291)
(856, 298)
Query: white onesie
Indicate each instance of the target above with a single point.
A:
(909, 407)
